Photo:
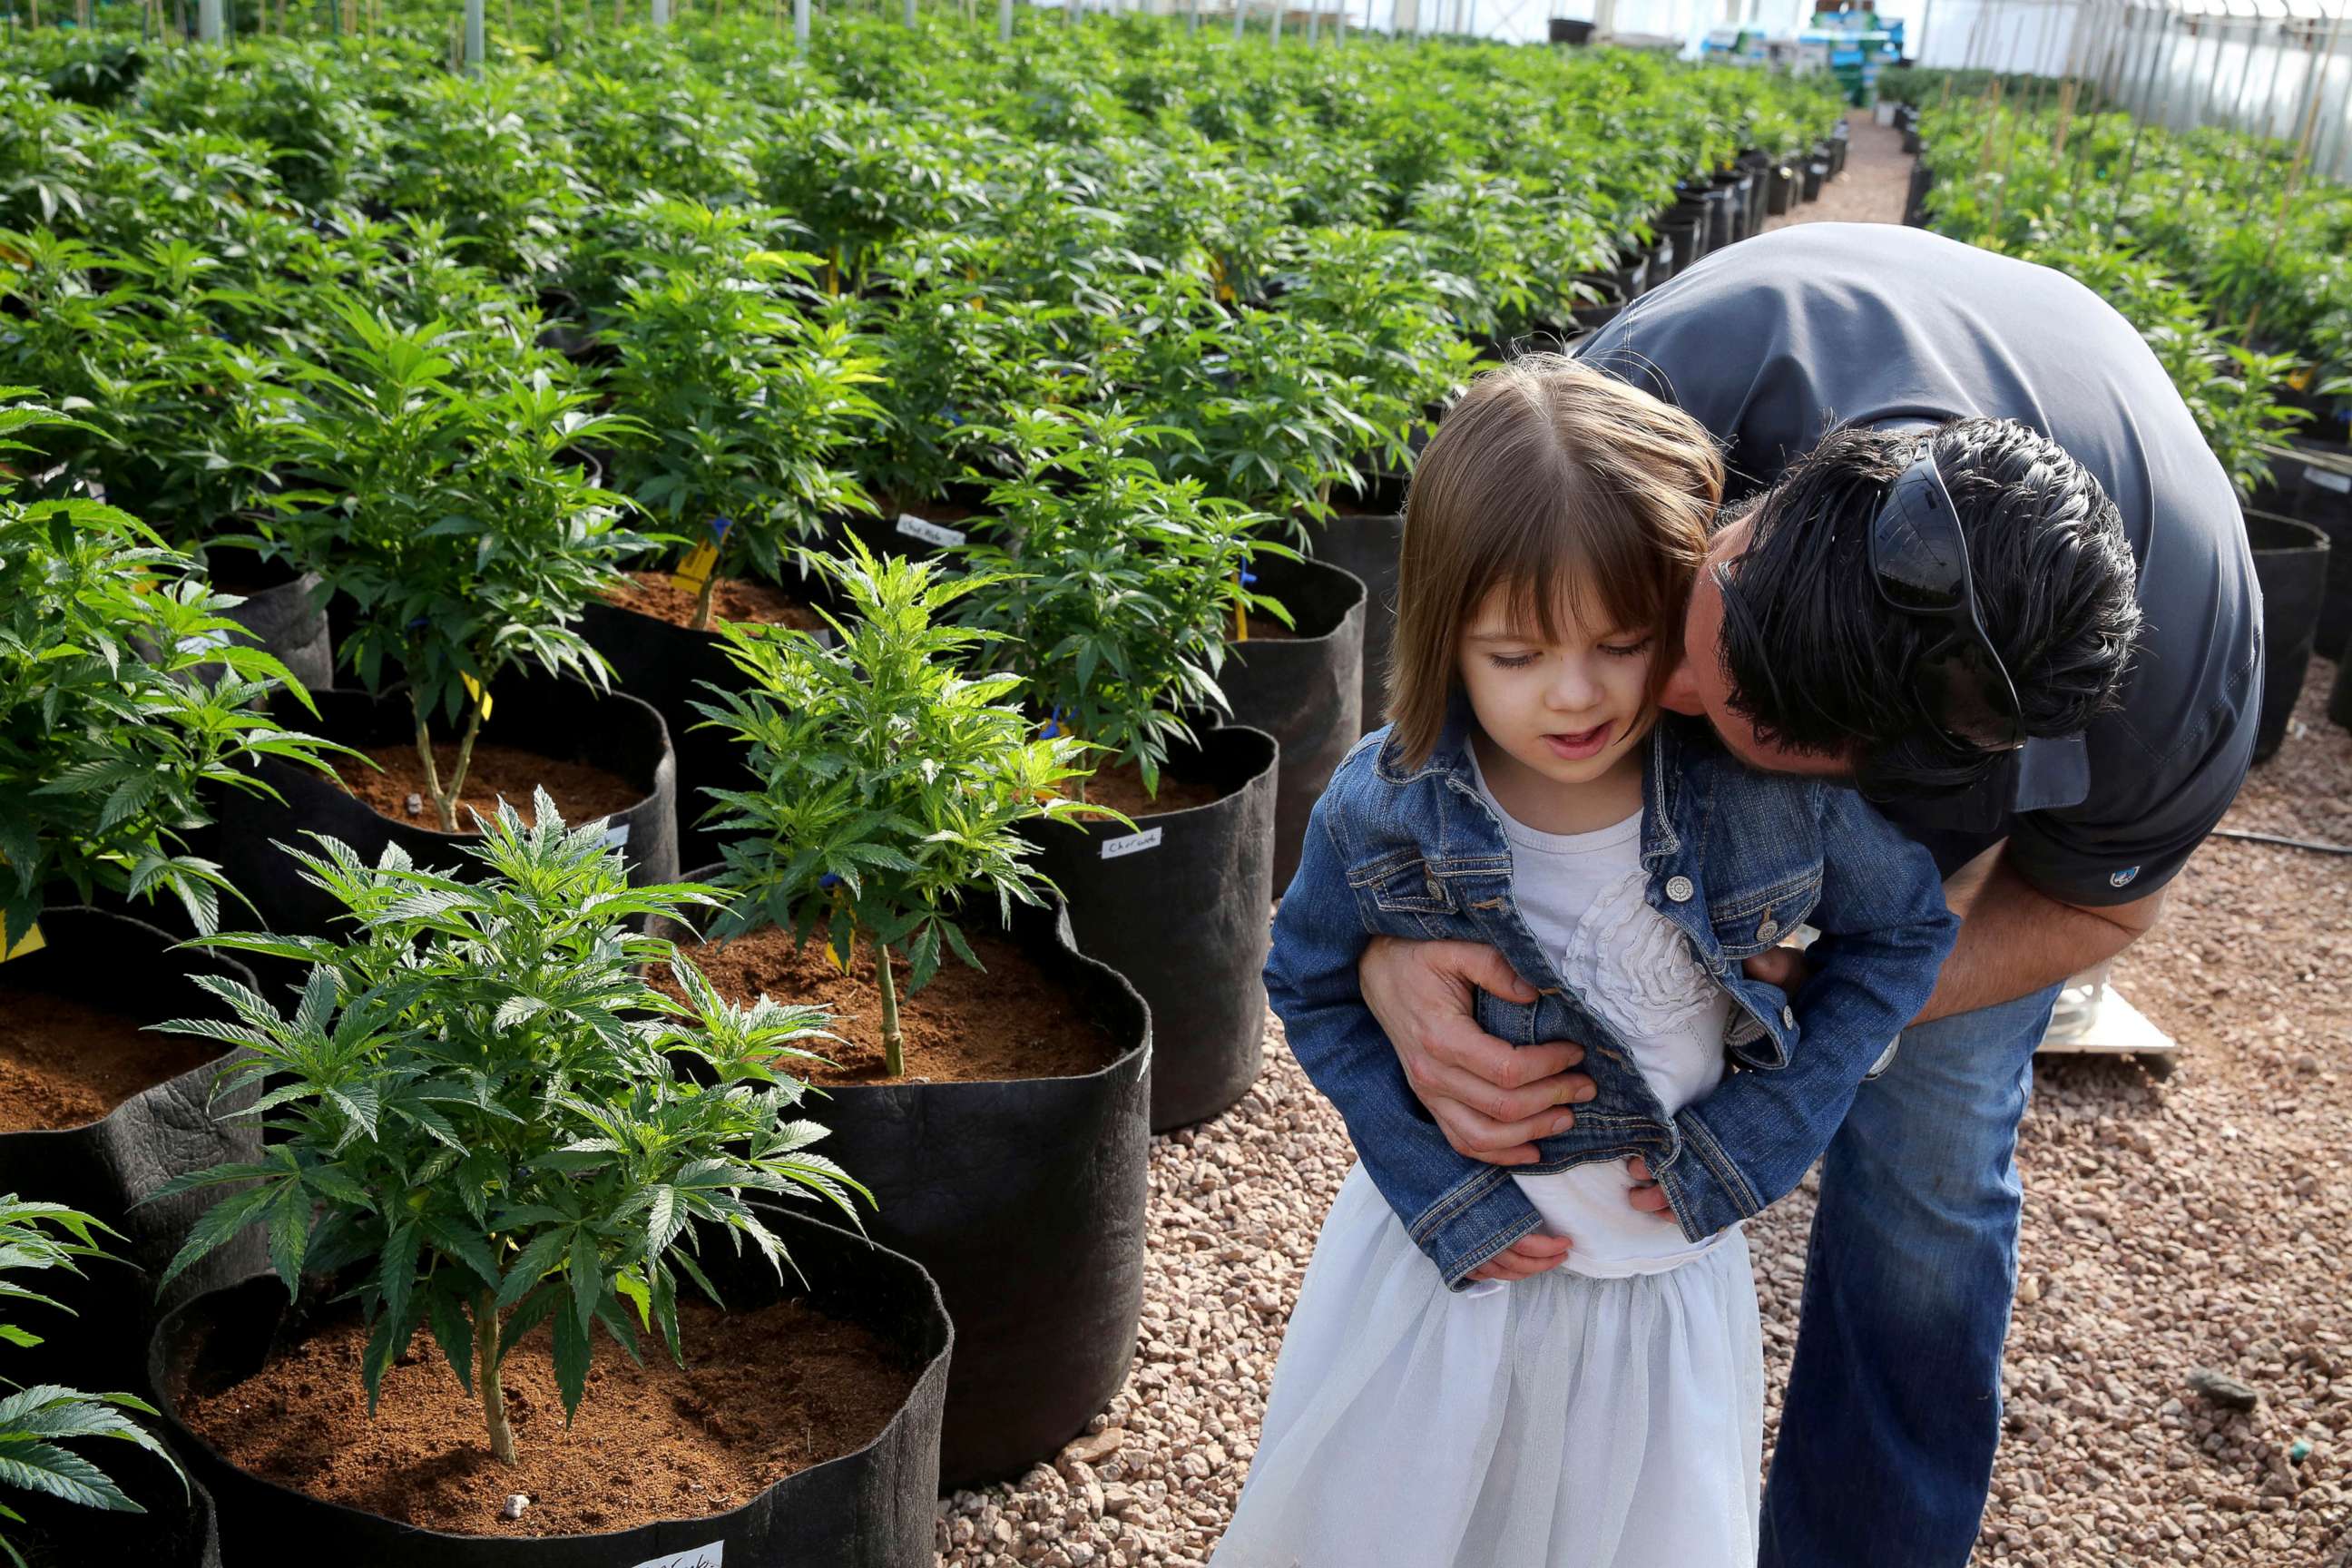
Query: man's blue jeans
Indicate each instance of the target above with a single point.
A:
(1894, 1406)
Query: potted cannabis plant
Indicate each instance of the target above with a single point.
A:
(1114, 592)
(991, 1083)
(749, 400)
(122, 724)
(447, 504)
(494, 1137)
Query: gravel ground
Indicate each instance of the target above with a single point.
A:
(2194, 1223)
(1877, 179)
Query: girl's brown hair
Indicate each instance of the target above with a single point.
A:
(1551, 481)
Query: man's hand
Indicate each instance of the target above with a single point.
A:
(1524, 1259)
(1491, 1099)
(1786, 967)
(1647, 1195)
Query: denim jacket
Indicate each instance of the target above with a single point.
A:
(1735, 859)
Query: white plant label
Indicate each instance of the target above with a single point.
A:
(1132, 843)
(2328, 479)
(914, 527)
(203, 642)
(709, 1556)
(615, 834)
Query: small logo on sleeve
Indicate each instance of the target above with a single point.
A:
(2123, 879)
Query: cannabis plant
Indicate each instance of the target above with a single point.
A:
(1115, 591)
(123, 698)
(445, 500)
(37, 1422)
(890, 781)
(479, 1120)
(750, 398)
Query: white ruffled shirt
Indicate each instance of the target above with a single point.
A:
(1582, 896)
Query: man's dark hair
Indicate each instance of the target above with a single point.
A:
(1821, 664)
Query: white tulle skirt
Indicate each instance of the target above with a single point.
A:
(1559, 1422)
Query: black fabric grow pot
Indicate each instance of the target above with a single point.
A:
(1781, 192)
(1306, 692)
(1179, 906)
(562, 720)
(2291, 566)
(179, 1529)
(2339, 696)
(665, 667)
(870, 1509)
(1817, 170)
(1840, 141)
(1915, 200)
(104, 1167)
(1569, 30)
(2321, 494)
(1024, 1199)
(1723, 209)
(1365, 539)
(284, 611)
(1662, 259)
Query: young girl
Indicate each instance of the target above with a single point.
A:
(1529, 797)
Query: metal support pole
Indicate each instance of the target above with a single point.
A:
(1004, 21)
(1273, 33)
(661, 13)
(1314, 20)
(209, 21)
(910, 13)
(1240, 15)
(1192, 17)
(474, 47)
(801, 24)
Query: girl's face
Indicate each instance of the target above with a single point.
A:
(1571, 711)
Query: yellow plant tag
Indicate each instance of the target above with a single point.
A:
(695, 569)
(32, 942)
(1241, 624)
(482, 700)
(2301, 380)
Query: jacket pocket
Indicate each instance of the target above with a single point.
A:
(1746, 922)
(1400, 894)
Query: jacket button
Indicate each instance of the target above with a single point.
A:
(1788, 1017)
(1428, 884)
(1768, 930)
(1680, 889)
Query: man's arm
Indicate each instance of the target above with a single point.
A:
(2016, 938)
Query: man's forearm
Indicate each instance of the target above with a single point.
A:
(2014, 939)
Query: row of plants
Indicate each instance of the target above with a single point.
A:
(593, 409)
(2228, 260)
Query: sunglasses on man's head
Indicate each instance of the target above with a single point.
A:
(1919, 559)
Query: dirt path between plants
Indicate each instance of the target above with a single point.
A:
(2197, 1222)
(1871, 189)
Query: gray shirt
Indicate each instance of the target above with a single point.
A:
(1770, 343)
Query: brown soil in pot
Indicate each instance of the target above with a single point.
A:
(965, 1026)
(1121, 789)
(1265, 628)
(763, 1396)
(735, 599)
(66, 1064)
(582, 792)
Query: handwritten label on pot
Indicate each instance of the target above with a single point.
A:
(2328, 479)
(709, 1556)
(928, 532)
(1133, 844)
